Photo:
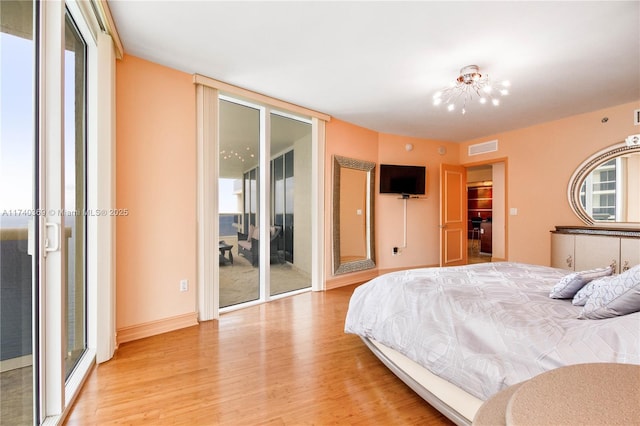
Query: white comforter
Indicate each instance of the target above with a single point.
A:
(487, 326)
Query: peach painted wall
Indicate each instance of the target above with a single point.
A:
(541, 159)
(156, 182)
(423, 214)
(347, 140)
(422, 248)
(539, 162)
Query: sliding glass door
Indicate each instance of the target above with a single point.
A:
(290, 203)
(43, 210)
(264, 198)
(239, 202)
(18, 273)
(75, 206)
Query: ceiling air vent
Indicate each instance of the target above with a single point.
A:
(483, 148)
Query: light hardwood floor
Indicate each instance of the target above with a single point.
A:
(287, 362)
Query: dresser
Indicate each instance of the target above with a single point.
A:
(579, 248)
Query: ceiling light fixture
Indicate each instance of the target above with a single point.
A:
(230, 155)
(468, 83)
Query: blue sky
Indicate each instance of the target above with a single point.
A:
(16, 122)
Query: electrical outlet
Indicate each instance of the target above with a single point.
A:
(184, 285)
(394, 251)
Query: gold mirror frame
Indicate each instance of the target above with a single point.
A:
(339, 163)
(581, 173)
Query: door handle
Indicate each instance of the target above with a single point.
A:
(50, 246)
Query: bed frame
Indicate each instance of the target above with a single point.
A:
(453, 402)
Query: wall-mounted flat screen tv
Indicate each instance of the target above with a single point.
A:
(402, 179)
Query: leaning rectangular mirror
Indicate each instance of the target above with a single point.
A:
(353, 190)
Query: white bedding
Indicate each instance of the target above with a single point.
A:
(487, 326)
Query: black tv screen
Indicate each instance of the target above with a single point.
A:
(402, 179)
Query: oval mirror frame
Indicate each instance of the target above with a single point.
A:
(581, 173)
(340, 267)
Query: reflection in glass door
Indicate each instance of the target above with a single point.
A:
(75, 219)
(238, 203)
(17, 207)
(282, 251)
(290, 248)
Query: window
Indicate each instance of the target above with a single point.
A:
(598, 193)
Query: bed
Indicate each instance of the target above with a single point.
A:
(459, 335)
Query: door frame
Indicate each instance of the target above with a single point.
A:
(505, 193)
(208, 91)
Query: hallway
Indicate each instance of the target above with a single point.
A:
(474, 255)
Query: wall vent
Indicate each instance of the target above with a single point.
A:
(483, 148)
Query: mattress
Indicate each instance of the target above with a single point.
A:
(487, 326)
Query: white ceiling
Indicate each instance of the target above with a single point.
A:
(378, 64)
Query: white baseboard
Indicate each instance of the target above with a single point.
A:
(140, 331)
(353, 278)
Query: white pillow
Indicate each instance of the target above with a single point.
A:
(585, 292)
(619, 296)
(569, 285)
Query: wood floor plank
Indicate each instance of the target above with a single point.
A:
(287, 362)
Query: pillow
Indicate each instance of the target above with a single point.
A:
(569, 285)
(250, 233)
(585, 292)
(619, 296)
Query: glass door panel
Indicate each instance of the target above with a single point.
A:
(17, 213)
(238, 203)
(290, 247)
(75, 218)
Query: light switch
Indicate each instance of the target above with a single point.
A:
(513, 211)
(359, 212)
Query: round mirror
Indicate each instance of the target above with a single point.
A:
(605, 189)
